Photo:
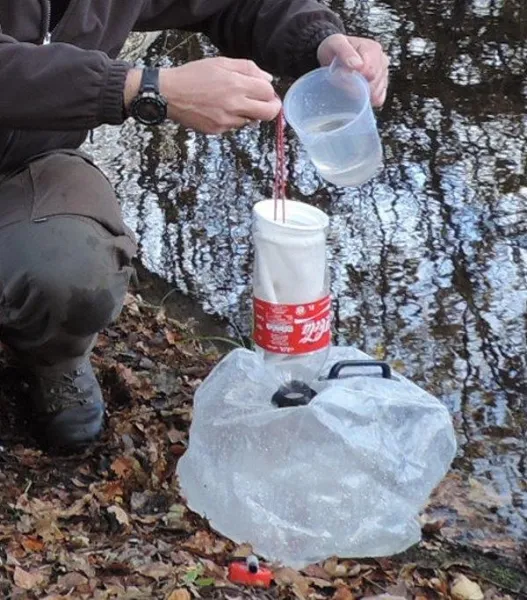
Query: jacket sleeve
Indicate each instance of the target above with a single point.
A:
(279, 35)
(76, 89)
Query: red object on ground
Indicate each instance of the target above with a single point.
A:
(239, 573)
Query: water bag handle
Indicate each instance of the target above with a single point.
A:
(337, 367)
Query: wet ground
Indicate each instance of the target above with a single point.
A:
(429, 260)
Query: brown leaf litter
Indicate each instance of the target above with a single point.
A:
(111, 524)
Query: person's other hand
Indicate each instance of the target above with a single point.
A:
(360, 54)
(214, 95)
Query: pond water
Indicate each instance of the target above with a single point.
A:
(429, 260)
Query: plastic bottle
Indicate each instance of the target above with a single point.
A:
(292, 304)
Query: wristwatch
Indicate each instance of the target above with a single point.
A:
(149, 106)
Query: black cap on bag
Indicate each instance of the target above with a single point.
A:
(293, 393)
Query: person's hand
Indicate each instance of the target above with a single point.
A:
(360, 54)
(214, 95)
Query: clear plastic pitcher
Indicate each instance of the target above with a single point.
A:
(330, 111)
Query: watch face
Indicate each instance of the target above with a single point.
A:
(150, 111)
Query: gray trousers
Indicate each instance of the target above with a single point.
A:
(65, 258)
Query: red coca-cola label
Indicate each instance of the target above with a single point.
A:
(292, 328)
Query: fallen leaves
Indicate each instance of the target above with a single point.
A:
(390, 597)
(27, 580)
(194, 577)
(72, 581)
(243, 551)
(316, 572)
(47, 528)
(156, 570)
(111, 524)
(172, 337)
(175, 518)
(343, 593)
(465, 589)
(290, 578)
(128, 377)
(119, 514)
(204, 543)
(336, 568)
(32, 544)
(124, 466)
(179, 594)
(485, 496)
(431, 525)
(108, 492)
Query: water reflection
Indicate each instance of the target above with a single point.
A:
(429, 260)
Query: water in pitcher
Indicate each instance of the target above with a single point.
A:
(330, 157)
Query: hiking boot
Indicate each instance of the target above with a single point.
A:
(68, 407)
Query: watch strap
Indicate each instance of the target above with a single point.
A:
(150, 80)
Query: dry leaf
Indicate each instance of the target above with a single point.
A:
(78, 483)
(287, 577)
(321, 583)
(48, 530)
(23, 503)
(400, 589)
(213, 570)
(123, 466)
(71, 581)
(77, 508)
(109, 491)
(27, 580)
(384, 597)
(316, 572)
(156, 570)
(440, 585)
(343, 593)
(172, 337)
(431, 525)
(74, 562)
(32, 544)
(341, 570)
(25, 524)
(205, 543)
(120, 515)
(465, 589)
(330, 566)
(353, 570)
(80, 541)
(485, 495)
(243, 551)
(181, 594)
(503, 545)
(133, 307)
(128, 376)
(175, 517)
(175, 435)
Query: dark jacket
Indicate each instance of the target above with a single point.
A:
(52, 93)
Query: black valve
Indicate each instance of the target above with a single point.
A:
(293, 393)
